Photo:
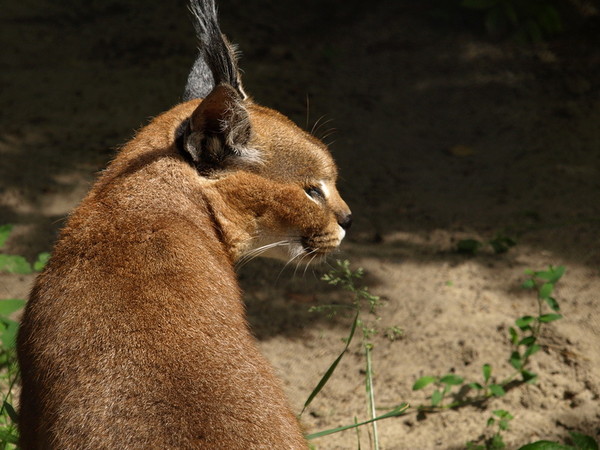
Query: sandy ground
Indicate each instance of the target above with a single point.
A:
(440, 135)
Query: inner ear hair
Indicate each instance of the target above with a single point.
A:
(219, 131)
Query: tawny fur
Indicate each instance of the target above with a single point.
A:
(135, 333)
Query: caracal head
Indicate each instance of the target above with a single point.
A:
(287, 176)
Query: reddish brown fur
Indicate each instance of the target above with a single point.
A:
(135, 334)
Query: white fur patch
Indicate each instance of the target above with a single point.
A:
(341, 233)
(324, 188)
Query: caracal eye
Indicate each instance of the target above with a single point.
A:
(315, 192)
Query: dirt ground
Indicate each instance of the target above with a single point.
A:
(440, 135)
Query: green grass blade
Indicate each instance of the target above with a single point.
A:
(545, 445)
(398, 411)
(332, 368)
(371, 395)
(11, 411)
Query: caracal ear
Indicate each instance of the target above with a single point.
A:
(219, 130)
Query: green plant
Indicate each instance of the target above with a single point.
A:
(532, 20)
(501, 419)
(9, 370)
(443, 385)
(500, 243)
(16, 263)
(523, 339)
(343, 276)
(580, 442)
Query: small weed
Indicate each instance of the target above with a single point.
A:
(394, 333)
(523, 339)
(16, 263)
(500, 243)
(9, 370)
(343, 276)
(500, 418)
(580, 442)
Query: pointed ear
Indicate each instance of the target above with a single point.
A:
(219, 130)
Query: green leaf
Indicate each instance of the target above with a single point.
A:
(477, 386)
(491, 421)
(41, 261)
(497, 390)
(10, 305)
(453, 380)
(514, 337)
(545, 445)
(9, 435)
(527, 341)
(515, 360)
(501, 244)
(523, 322)
(469, 246)
(528, 284)
(528, 377)
(583, 442)
(550, 318)
(531, 350)
(5, 231)
(552, 275)
(333, 366)
(552, 303)
(546, 290)
(479, 4)
(503, 425)
(558, 273)
(14, 264)
(9, 335)
(497, 442)
(502, 413)
(436, 398)
(11, 412)
(422, 382)
(398, 411)
(487, 372)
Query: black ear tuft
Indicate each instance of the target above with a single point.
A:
(217, 58)
(218, 131)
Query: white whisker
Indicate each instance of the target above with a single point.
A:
(321, 125)
(305, 255)
(254, 253)
(301, 255)
(309, 263)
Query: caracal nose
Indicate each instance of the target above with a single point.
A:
(345, 220)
